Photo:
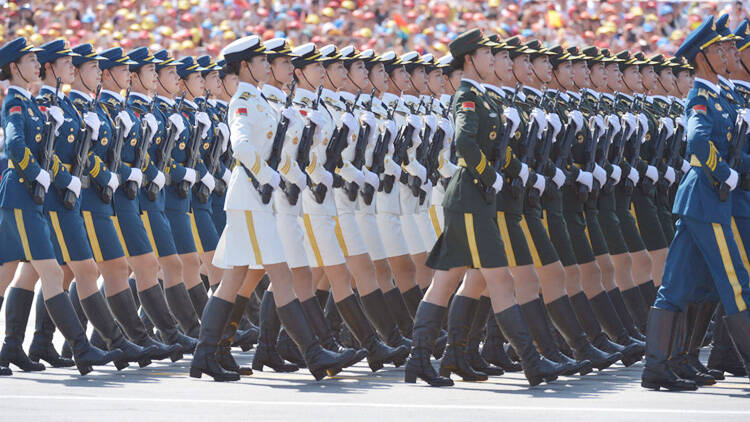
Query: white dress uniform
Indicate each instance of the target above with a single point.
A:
(287, 215)
(445, 167)
(409, 202)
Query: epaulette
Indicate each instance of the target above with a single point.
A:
(305, 102)
(703, 92)
(245, 96)
(475, 91)
(274, 99)
(21, 97)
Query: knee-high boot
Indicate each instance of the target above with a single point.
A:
(84, 354)
(536, 367)
(659, 339)
(183, 309)
(412, 297)
(4, 370)
(637, 306)
(378, 353)
(340, 330)
(493, 350)
(426, 329)
(460, 317)
(155, 305)
(607, 316)
(648, 291)
(476, 361)
(215, 317)
(678, 362)
(66, 352)
(593, 330)
(17, 310)
(224, 351)
(266, 353)
(397, 308)
(317, 320)
(376, 309)
(199, 298)
(41, 346)
(703, 316)
(723, 356)
(738, 326)
(627, 314)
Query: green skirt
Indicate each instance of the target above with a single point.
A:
(468, 240)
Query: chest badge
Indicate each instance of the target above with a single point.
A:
(31, 112)
(269, 135)
(38, 137)
(729, 136)
(648, 136)
(580, 138)
(206, 145)
(104, 142)
(158, 140)
(517, 135)
(295, 140)
(182, 146)
(717, 106)
(493, 135)
(486, 105)
(260, 109)
(71, 138)
(133, 142)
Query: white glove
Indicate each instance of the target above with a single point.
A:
(224, 133)
(56, 114)
(524, 173)
(93, 123)
(577, 118)
(74, 186)
(159, 180)
(113, 182)
(652, 173)
(320, 176)
(541, 120)
(614, 122)
(426, 186)
(431, 121)
(351, 174)
(390, 126)
(669, 175)
(685, 166)
(447, 127)
(371, 178)
(391, 168)
(209, 181)
(668, 124)
(745, 113)
(368, 119)
(511, 114)
(616, 174)
(599, 122)
(540, 183)
(350, 121)
(554, 120)
(559, 178)
(290, 113)
(178, 123)
(190, 175)
(585, 178)
(153, 125)
(681, 121)
(643, 121)
(202, 118)
(226, 176)
(498, 185)
(416, 169)
(732, 179)
(599, 174)
(629, 120)
(126, 123)
(318, 117)
(416, 122)
(633, 176)
(135, 176)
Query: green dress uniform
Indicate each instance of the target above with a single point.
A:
(471, 237)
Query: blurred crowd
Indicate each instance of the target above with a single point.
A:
(191, 27)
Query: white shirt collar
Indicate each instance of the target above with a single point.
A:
(744, 84)
(212, 102)
(661, 97)
(167, 100)
(475, 83)
(192, 105)
(629, 97)
(81, 94)
(246, 87)
(410, 99)
(60, 94)
(272, 91)
(575, 95)
(709, 84)
(726, 81)
(141, 96)
(346, 96)
(21, 91)
(596, 94)
(445, 99)
(534, 90)
(608, 95)
(115, 95)
(302, 93)
(327, 93)
(499, 91)
(221, 102)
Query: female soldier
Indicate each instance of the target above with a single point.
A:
(250, 219)
(471, 237)
(23, 187)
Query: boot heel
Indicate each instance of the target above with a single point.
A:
(195, 372)
(376, 366)
(175, 356)
(410, 377)
(257, 366)
(629, 361)
(534, 381)
(318, 374)
(445, 372)
(651, 385)
(550, 379)
(84, 369)
(144, 363)
(121, 364)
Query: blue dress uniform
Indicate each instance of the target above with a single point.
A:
(178, 209)
(135, 239)
(26, 231)
(217, 201)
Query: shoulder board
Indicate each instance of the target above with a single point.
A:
(245, 96)
(304, 102)
(702, 92)
(20, 97)
(274, 99)
(475, 91)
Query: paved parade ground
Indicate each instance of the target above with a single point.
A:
(164, 392)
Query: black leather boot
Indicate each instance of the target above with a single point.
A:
(252, 311)
(378, 353)
(563, 316)
(333, 318)
(205, 282)
(182, 308)
(723, 356)
(199, 298)
(224, 350)
(460, 318)
(266, 353)
(288, 349)
(397, 308)
(493, 350)
(123, 308)
(317, 320)
(17, 309)
(85, 355)
(247, 338)
(155, 305)
(215, 317)
(738, 326)
(412, 297)
(476, 361)
(678, 361)
(4, 370)
(605, 313)
(319, 360)
(703, 315)
(648, 291)
(627, 316)
(322, 296)
(659, 335)
(590, 324)
(535, 366)
(66, 352)
(41, 346)
(637, 307)
(426, 329)
(376, 309)
(533, 314)
(101, 318)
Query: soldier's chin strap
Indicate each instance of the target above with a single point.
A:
(18, 68)
(223, 86)
(454, 88)
(354, 83)
(247, 64)
(626, 84)
(708, 62)
(744, 66)
(662, 86)
(302, 71)
(554, 74)
(477, 70)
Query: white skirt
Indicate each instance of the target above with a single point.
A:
(249, 238)
(392, 234)
(368, 226)
(293, 239)
(426, 229)
(413, 235)
(324, 240)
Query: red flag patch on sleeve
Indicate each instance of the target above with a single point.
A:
(242, 111)
(467, 106)
(699, 108)
(43, 109)
(303, 112)
(14, 110)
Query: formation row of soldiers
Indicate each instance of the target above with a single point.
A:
(366, 188)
